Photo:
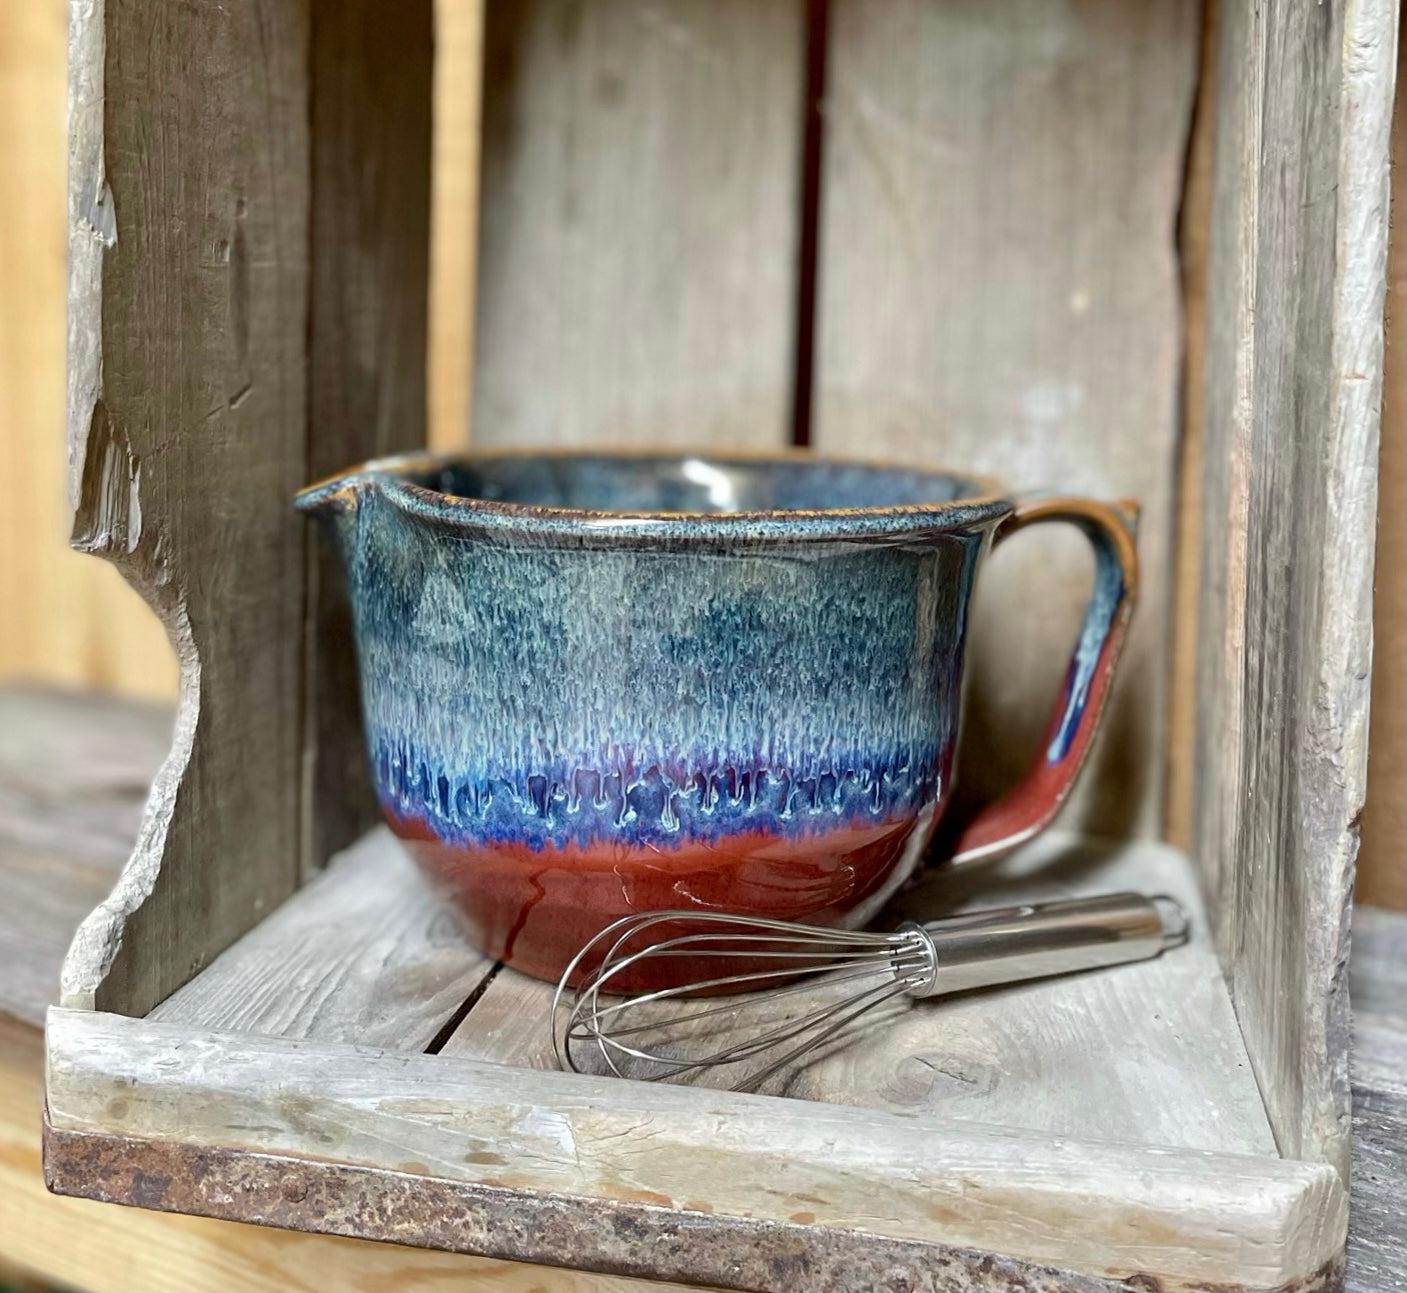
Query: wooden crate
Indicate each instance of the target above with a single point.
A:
(946, 232)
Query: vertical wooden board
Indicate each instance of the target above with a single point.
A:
(639, 221)
(1382, 866)
(371, 116)
(454, 217)
(1294, 376)
(1221, 605)
(1194, 227)
(188, 220)
(998, 290)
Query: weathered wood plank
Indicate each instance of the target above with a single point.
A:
(371, 69)
(1294, 371)
(1221, 600)
(1177, 1216)
(74, 771)
(639, 221)
(998, 290)
(1145, 1054)
(119, 1249)
(268, 709)
(363, 953)
(187, 413)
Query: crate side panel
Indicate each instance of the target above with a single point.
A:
(639, 222)
(998, 290)
(188, 216)
(371, 117)
(1300, 204)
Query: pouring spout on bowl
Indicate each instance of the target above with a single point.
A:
(336, 496)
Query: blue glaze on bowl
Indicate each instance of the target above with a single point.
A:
(593, 684)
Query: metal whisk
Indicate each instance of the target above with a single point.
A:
(802, 985)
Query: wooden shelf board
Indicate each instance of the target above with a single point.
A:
(1147, 1053)
(363, 953)
(1122, 1098)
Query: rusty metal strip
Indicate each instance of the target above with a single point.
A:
(609, 1236)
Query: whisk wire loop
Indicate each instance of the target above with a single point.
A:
(788, 959)
(819, 980)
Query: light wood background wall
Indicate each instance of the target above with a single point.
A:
(70, 619)
(64, 618)
(1382, 871)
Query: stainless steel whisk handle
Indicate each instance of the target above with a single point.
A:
(1034, 940)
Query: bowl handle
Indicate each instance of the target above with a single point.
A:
(1029, 807)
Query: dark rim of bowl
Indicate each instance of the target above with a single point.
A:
(986, 506)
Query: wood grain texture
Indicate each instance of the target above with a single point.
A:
(188, 224)
(1382, 863)
(76, 1243)
(1294, 371)
(1179, 1217)
(363, 953)
(293, 247)
(74, 771)
(371, 118)
(1225, 428)
(639, 221)
(1147, 1053)
(998, 290)
(65, 619)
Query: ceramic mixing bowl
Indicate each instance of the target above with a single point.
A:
(598, 684)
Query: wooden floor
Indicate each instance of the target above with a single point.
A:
(72, 773)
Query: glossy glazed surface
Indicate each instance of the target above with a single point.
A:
(621, 684)
(566, 731)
